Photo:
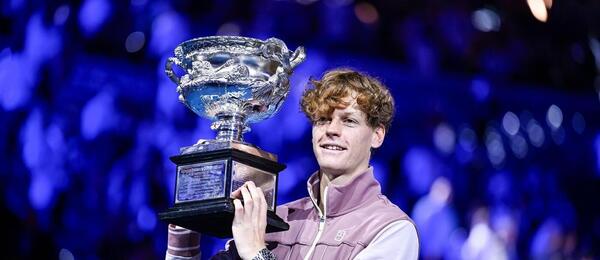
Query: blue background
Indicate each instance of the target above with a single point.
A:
(500, 108)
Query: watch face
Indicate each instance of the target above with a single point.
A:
(264, 254)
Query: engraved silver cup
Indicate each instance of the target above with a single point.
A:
(233, 80)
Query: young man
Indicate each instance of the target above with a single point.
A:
(345, 215)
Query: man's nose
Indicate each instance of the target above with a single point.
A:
(333, 128)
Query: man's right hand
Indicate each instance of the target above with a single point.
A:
(250, 220)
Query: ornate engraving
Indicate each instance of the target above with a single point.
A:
(200, 181)
(233, 80)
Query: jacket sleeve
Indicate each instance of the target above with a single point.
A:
(182, 244)
(398, 240)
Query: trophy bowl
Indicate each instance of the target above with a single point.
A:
(233, 81)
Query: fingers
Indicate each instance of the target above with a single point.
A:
(248, 203)
(262, 223)
(238, 217)
(254, 208)
(258, 202)
(237, 194)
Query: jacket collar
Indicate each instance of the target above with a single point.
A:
(345, 198)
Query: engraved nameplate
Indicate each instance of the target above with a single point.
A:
(200, 181)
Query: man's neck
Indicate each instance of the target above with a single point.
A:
(336, 179)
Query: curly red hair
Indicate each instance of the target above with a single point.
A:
(327, 94)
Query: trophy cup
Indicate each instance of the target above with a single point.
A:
(232, 81)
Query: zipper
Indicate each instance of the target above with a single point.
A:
(322, 217)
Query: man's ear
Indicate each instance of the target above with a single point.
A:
(378, 136)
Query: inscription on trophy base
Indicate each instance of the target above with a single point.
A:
(200, 181)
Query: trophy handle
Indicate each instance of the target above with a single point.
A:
(297, 57)
(169, 69)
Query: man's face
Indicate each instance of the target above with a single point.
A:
(342, 142)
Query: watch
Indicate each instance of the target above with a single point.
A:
(264, 254)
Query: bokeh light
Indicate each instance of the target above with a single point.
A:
(538, 9)
(444, 138)
(135, 41)
(554, 117)
(486, 20)
(510, 123)
(93, 15)
(366, 13)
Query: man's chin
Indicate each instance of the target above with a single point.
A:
(332, 170)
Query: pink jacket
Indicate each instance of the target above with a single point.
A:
(354, 214)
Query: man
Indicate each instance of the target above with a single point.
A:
(345, 215)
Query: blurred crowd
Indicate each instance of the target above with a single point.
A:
(494, 150)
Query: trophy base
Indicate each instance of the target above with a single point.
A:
(214, 218)
(205, 180)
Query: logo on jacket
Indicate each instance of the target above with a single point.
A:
(340, 235)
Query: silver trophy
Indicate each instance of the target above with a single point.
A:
(233, 81)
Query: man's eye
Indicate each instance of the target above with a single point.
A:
(350, 121)
(322, 120)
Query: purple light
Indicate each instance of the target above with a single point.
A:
(554, 117)
(15, 5)
(139, 3)
(510, 123)
(578, 123)
(230, 28)
(40, 191)
(558, 135)
(444, 138)
(146, 218)
(18, 71)
(499, 186)
(421, 169)
(425, 57)
(519, 146)
(97, 116)
(115, 188)
(61, 14)
(535, 133)
(597, 148)
(467, 143)
(92, 15)
(15, 86)
(137, 195)
(65, 254)
(486, 20)
(480, 89)
(32, 139)
(168, 30)
(168, 180)
(435, 218)
(495, 147)
(167, 99)
(41, 43)
(543, 244)
(337, 3)
(468, 139)
(135, 41)
(381, 172)
(292, 175)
